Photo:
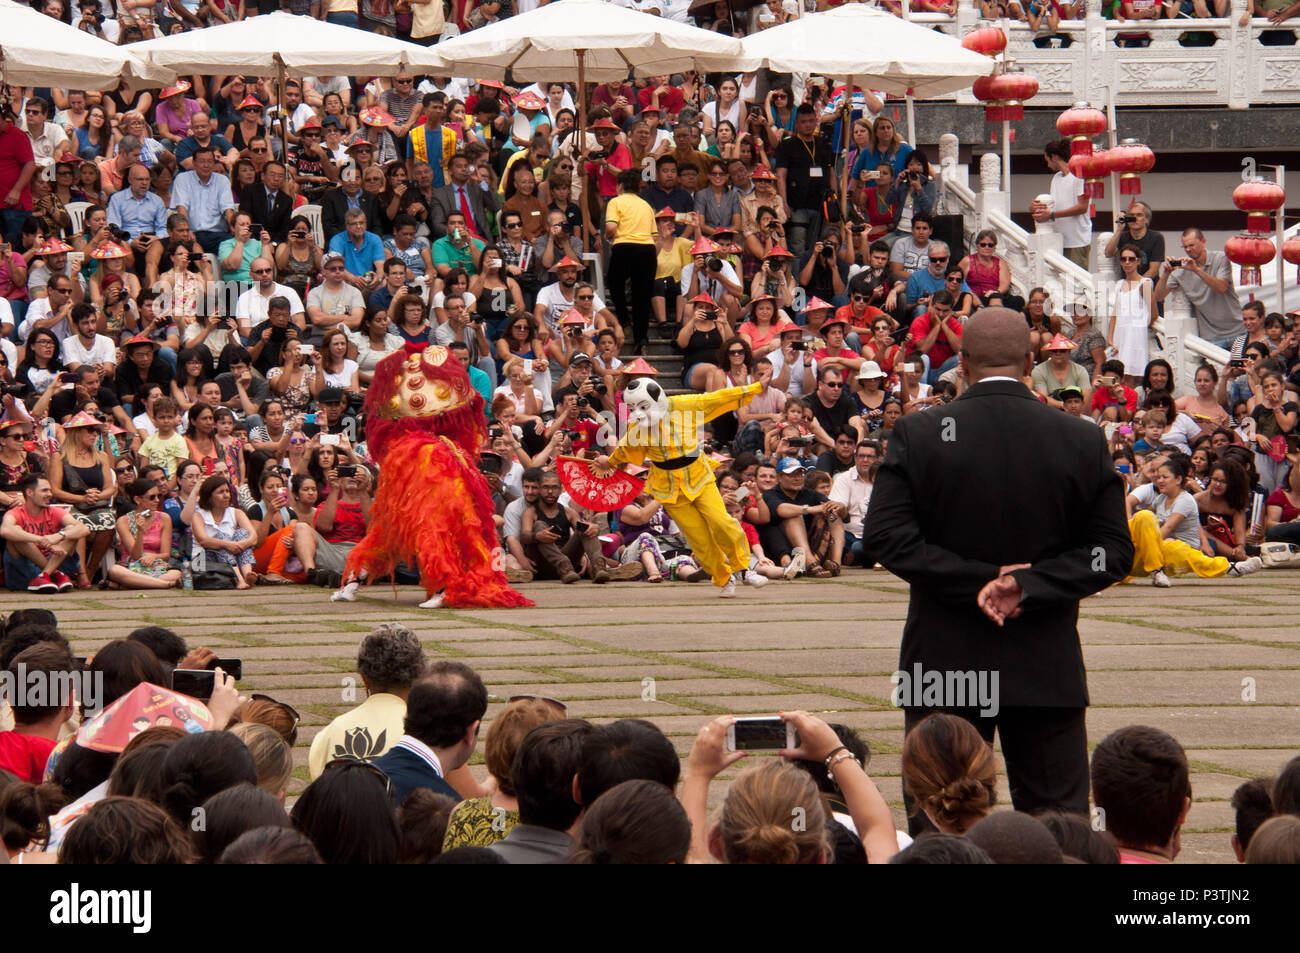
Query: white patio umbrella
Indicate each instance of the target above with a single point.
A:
(586, 41)
(281, 44)
(297, 45)
(871, 48)
(581, 41)
(36, 50)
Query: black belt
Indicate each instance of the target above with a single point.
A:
(676, 463)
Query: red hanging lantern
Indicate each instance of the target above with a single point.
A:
(1093, 169)
(1014, 87)
(1081, 122)
(1291, 253)
(982, 89)
(986, 38)
(1259, 199)
(1250, 252)
(1130, 159)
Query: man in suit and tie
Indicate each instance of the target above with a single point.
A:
(268, 204)
(443, 713)
(463, 194)
(335, 204)
(1002, 513)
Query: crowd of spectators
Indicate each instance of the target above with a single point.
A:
(198, 283)
(390, 780)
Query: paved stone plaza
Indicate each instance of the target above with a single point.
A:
(1175, 659)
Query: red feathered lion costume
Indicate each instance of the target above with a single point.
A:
(432, 511)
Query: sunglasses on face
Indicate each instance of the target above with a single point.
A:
(934, 258)
(988, 245)
(584, 297)
(1128, 258)
(833, 385)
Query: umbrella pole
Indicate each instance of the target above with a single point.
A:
(582, 147)
(284, 118)
(911, 119)
(847, 114)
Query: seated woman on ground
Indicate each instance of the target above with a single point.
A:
(144, 538)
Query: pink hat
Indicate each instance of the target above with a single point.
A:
(110, 250)
(566, 262)
(778, 251)
(376, 116)
(1060, 343)
(182, 87)
(573, 316)
(817, 304)
(82, 419)
(704, 246)
(529, 100)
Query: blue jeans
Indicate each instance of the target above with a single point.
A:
(210, 242)
(344, 19)
(932, 375)
(853, 544)
(11, 222)
(20, 571)
(169, 355)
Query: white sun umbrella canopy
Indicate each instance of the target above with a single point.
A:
(609, 41)
(877, 49)
(36, 50)
(302, 46)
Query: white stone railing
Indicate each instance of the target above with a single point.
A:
(1035, 261)
(1236, 72)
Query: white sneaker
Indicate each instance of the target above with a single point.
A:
(1160, 580)
(1246, 566)
(729, 590)
(433, 603)
(798, 563)
(347, 594)
(752, 578)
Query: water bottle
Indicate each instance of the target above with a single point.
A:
(187, 576)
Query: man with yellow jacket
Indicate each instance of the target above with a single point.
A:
(663, 433)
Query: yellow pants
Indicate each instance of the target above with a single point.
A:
(1150, 552)
(716, 539)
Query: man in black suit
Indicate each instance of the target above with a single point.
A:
(335, 203)
(1002, 513)
(453, 197)
(443, 713)
(268, 203)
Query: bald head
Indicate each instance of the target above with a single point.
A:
(995, 342)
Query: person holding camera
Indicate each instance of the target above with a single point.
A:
(555, 244)
(700, 340)
(1205, 277)
(585, 381)
(775, 279)
(913, 191)
(1136, 233)
(823, 270)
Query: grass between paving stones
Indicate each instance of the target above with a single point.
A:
(1197, 630)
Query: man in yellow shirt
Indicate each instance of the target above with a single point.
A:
(630, 227)
(663, 432)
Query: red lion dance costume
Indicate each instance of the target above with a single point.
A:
(432, 510)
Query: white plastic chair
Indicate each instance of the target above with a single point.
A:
(77, 212)
(312, 214)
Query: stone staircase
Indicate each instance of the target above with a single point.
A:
(663, 357)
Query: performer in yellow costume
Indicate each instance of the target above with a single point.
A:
(663, 432)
